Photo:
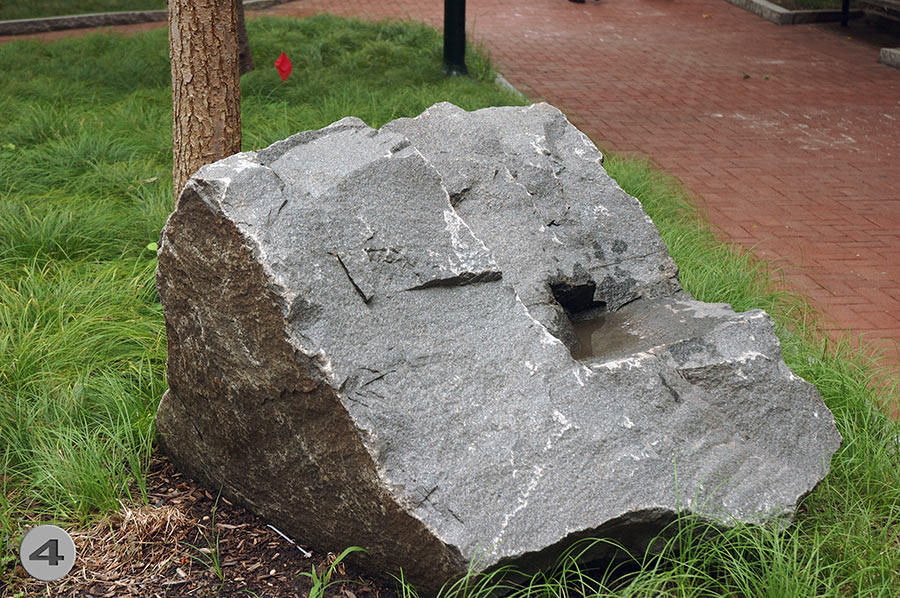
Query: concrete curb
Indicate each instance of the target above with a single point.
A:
(887, 21)
(782, 16)
(502, 82)
(25, 26)
(890, 57)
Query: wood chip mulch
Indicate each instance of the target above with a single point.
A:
(167, 548)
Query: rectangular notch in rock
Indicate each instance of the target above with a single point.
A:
(596, 332)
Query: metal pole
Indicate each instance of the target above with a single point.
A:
(845, 12)
(455, 37)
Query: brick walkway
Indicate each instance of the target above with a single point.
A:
(800, 161)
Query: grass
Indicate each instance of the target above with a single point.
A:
(33, 9)
(322, 580)
(85, 186)
(210, 556)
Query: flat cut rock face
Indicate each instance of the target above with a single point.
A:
(456, 339)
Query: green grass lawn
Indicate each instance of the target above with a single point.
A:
(85, 186)
(33, 9)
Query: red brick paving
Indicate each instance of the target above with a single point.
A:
(788, 136)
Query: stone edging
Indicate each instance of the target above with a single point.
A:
(890, 57)
(502, 82)
(24, 26)
(782, 16)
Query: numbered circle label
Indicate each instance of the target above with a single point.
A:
(47, 552)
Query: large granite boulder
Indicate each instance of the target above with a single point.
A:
(455, 339)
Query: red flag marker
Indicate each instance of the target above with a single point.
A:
(283, 64)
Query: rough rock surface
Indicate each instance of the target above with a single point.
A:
(456, 339)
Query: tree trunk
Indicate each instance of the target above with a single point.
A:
(206, 95)
(246, 56)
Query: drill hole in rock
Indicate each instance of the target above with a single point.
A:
(597, 332)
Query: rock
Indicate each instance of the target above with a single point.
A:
(455, 340)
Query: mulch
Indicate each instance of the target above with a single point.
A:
(165, 549)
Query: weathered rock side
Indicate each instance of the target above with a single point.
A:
(456, 339)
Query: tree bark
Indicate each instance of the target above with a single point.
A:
(245, 55)
(206, 96)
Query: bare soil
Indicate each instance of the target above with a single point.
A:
(166, 549)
